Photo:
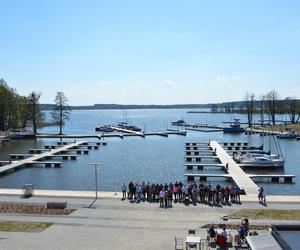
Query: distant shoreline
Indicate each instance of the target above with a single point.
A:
(120, 106)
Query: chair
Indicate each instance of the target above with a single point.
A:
(240, 240)
(192, 232)
(205, 243)
(221, 241)
(192, 246)
(178, 243)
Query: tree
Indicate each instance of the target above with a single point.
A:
(61, 111)
(272, 105)
(250, 106)
(34, 114)
(291, 105)
(262, 110)
(12, 113)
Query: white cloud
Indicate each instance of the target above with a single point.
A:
(221, 78)
(237, 78)
(139, 86)
(170, 83)
(224, 78)
(104, 84)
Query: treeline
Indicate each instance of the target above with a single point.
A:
(271, 105)
(18, 112)
(129, 106)
(24, 112)
(268, 105)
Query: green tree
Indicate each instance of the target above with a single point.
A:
(61, 111)
(11, 108)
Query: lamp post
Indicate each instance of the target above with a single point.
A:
(95, 164)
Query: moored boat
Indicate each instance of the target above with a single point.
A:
(180, 122)
(289, 134)
(105, 128)
(234, 127)
(262, 160)
(20, 134)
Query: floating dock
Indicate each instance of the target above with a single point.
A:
(38, 158)
(122, 136)
(232, 169)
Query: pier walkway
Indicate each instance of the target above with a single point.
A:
(127, 131)
(18, 164)
(234, 170)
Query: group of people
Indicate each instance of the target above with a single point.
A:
(222, 236)
(179, 192)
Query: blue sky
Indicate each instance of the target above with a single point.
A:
(150, 52)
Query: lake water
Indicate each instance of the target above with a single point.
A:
(153, 159)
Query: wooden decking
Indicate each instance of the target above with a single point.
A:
(234, 170)
(35, 158)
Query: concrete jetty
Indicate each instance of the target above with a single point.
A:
(39, 157)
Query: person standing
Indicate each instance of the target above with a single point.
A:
(161, 198)
(124, 191)
(245, 223)
(170, 197)
(237, 194)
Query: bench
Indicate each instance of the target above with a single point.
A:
(56, 205)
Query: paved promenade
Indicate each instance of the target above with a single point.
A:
(116, 224)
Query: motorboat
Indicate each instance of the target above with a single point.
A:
(105, 128)
(261, 147)
(124, 125)
(289, 134)
(20, 134)
(180, 122)
(234, 127)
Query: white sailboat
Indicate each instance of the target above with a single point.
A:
(264, 160)
(289, 134)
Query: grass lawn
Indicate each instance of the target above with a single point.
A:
(266, 214)
(23, 226)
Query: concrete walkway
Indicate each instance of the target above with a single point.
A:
(118, 225)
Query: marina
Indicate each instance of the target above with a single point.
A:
(232, 169)
(147, 155)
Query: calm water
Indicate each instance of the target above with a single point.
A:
(154, 159)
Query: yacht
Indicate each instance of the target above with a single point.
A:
(180, 122)
(124, 125)
(20, 134)
(234, 127)
(289, 134)
(105, 128)
(262, 160)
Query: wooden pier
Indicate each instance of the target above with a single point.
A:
(38, 158)
(121, 136)
(124, 130)
(234, 170)
(190, 166)
(205, 129)
(197, 125)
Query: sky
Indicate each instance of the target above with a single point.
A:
(150, 51)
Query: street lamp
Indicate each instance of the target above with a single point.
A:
(95, 164)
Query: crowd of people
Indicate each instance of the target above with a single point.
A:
(178, 192)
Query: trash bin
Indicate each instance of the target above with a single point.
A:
(28, 190)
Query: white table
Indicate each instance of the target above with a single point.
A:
(192, 239)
